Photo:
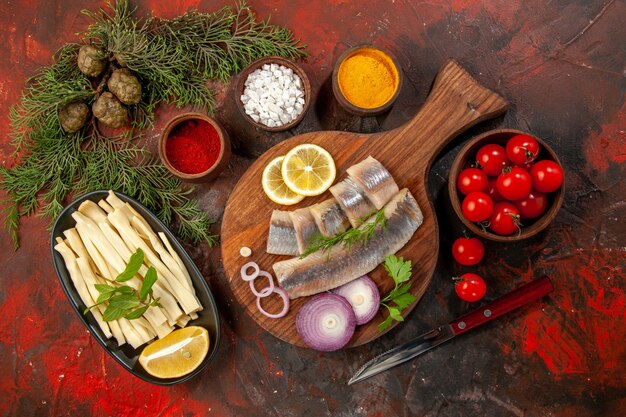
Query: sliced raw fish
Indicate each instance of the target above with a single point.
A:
(353, 201)
(282, 236)
(329, 217)
(375, 180)
(325, 270)
(305, 227)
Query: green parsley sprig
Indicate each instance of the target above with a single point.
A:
(125, 301)
(399, 298)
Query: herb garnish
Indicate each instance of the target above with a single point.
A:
(349, 237)
(125, 301)
(400, 271)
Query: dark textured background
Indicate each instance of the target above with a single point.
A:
(562, 66)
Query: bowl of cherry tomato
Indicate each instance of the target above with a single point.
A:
(506, 185)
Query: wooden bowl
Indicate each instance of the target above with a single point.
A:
(467, 156)
(306, 85)
(343, 101)
(215, 169)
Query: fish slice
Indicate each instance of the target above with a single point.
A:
(455, 103)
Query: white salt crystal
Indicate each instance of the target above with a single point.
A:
(273, 95)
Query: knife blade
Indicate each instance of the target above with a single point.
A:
(519, 297)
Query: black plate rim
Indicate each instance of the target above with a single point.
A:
(92, 327)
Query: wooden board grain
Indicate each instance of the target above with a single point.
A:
(456, 102)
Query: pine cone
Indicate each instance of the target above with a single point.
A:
(120, 60)
(73, 116)
(125, 86)
(91, 60)
(110, 111)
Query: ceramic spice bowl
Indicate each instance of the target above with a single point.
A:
(265, 65)
(194, 147)
(467, 156)
(366, 80)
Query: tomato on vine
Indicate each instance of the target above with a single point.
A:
(468, 250)
(470, 287)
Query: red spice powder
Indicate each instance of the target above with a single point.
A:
(193, 146)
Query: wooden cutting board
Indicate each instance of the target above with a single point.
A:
(456, 102)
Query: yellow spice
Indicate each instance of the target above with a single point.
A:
(368, 78)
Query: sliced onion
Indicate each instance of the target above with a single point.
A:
(363, 296)
(244, 271)
(266, 291)
(283, 295)
(326, 322)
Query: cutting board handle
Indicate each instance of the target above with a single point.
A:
(455, 103)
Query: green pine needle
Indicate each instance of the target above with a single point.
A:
(173, 59)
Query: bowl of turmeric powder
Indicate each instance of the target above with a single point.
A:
(366, 80)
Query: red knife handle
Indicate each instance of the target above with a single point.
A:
(525, 294)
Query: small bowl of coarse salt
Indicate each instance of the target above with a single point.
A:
(273, 93)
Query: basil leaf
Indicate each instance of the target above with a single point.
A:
(132, 267)
(124, 302)
(148, 281)
(104, 288)
(125, 289)
(113, 313)
(135, 314)
(104, 297)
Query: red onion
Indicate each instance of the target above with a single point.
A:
(326, 322)
(283, 295)
(244, 271)
(266, 291)
(363, 296)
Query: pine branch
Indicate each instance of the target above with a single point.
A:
(172, 58)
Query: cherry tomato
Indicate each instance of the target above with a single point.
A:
(505, 219)
(470, 180)
(514, 184)
(470, 287)
(468, 251)
(521, 149)
(533, 205)
(477, 206)
(492, 158)
(492, 191)
(547, 176)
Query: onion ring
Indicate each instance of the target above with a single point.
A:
(244, 271)
(283, 295)
(267, 290)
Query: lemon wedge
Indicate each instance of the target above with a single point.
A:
(275, 187)
(177, 354)
(308, 169)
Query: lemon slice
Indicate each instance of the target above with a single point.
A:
(308, 169)
(275, 187)
(177, 354)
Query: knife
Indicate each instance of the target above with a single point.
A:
(509, 302)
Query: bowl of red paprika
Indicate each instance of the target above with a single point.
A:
(194, 147)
